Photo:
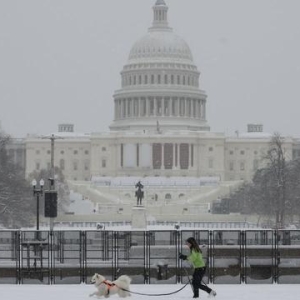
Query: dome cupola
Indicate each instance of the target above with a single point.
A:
(160, 42)
(160, 19)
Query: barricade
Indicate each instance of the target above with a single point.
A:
(70, 257)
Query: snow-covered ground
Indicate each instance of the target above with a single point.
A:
(80, 204)
(82, 291)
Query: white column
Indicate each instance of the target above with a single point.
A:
(117, 103)
(126, 108)
(162, 156)
(116, 109)
(139, 108)
(197, 108)
(174, 155)
(131, 103)
(200, 109)
(147, 107)
(190, 156)
(122, 107)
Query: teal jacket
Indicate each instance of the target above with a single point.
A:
(196, 259)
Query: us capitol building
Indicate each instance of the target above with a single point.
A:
(160, 135)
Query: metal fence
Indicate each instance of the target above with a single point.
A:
(69, 257)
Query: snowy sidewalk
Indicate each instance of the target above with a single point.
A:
(82, 291)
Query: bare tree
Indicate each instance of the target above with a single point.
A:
(275, 189)
(276, 162)
(16, 201)
(292, 201)
(263, 193)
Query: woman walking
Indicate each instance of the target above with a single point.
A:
(195, 257)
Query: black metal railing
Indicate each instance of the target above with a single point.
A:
(73, 256)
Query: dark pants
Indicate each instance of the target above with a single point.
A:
(197, 281)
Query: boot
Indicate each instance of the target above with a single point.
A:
(196, 293)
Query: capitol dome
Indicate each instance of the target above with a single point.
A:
(161, 45)
(160, 83)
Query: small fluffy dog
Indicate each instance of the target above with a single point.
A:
(106, 288)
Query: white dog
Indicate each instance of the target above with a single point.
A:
(106, 288)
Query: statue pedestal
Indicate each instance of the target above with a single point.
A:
(139, 217)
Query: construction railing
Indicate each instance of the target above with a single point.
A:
(69, 257)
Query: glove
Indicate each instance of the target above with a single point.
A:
(183, 257)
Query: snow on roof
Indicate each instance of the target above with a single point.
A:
(250, 136)
(261, 135)
(60, 136)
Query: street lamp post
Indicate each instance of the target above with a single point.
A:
(52, 181)
(37, 192)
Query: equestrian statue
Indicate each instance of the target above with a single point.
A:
(139, 193)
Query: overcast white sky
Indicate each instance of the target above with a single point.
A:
(60, 60)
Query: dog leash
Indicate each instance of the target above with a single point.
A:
(190, 281)
(164, 294)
